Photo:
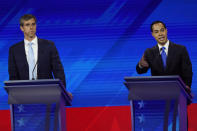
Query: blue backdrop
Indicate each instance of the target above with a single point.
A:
(99, 41)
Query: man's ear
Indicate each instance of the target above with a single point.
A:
(152, 34)
(21, 27)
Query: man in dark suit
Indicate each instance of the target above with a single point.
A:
(166, 58)
(34, 58)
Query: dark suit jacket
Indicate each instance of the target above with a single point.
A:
(48, 64)
(178, 63)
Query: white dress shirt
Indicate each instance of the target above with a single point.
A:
(35, 50)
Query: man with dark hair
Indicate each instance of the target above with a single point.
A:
(34, 58)
(26, 18)
(166, 58)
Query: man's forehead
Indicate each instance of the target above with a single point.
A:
(29, 21)
(158, 26)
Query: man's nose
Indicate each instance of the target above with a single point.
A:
(160, 33)
(32, 25)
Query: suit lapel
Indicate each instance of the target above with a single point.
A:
(22, 55)
(170, 55)
(158, 58)
(40, 51)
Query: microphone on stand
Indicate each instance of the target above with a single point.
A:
(34, 70)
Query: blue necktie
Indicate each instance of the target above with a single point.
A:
(31, 61)
(163, 55)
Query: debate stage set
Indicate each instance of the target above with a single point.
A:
(99, 43)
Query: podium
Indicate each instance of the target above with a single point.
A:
(37, 105)
(158, 103)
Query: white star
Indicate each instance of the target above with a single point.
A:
(141, 104)
(21, 108)
(21, 122)
(141, 118)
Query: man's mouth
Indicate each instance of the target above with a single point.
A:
(161, 38)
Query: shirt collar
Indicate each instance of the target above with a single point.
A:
(34, 41)
(166, 45)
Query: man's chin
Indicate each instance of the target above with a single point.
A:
(162, 42)
(32, 36)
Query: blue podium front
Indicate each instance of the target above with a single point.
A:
(37, 105)
(158, 103)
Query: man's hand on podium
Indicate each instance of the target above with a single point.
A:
(70, 95)
(188, 89)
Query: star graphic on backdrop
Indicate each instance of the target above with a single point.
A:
(20, 108)
(21, 122)
(141, 104)
(142, 129)
(141, 118)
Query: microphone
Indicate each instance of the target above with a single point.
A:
(33, 77)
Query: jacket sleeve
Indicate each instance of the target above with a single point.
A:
(186, 68)
(57, 67)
